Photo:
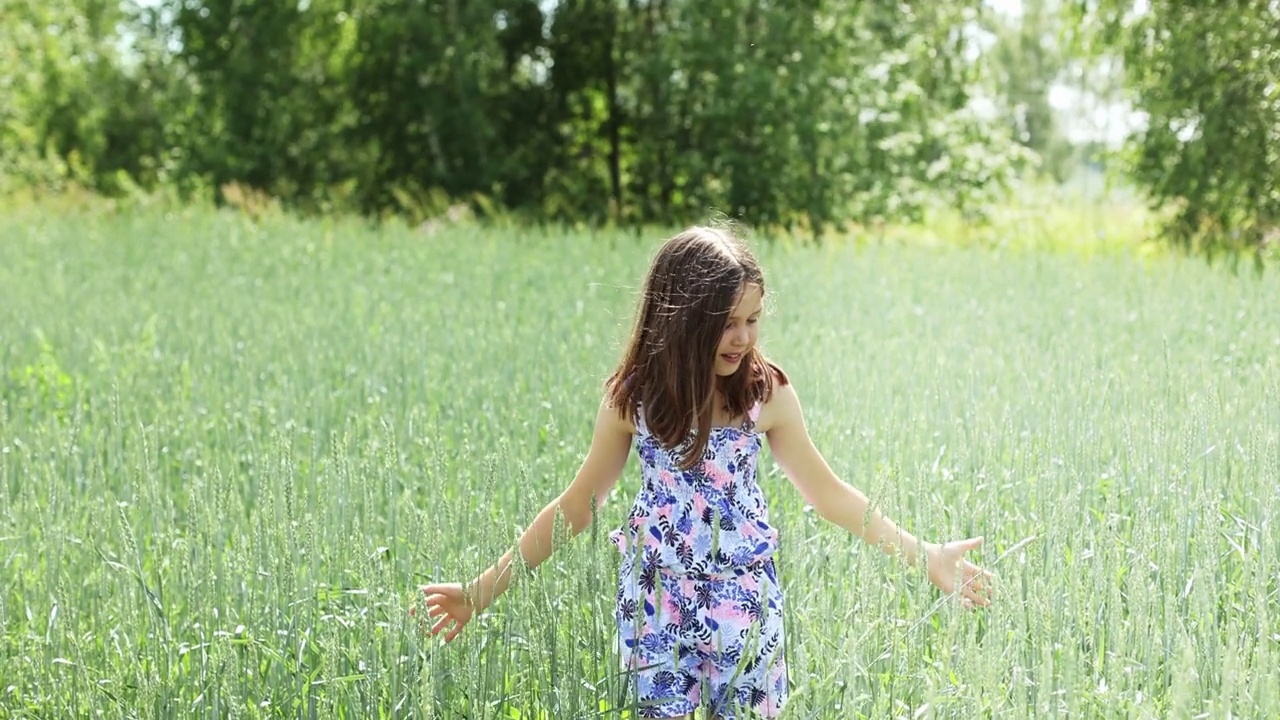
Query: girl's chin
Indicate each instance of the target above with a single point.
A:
(725, 369)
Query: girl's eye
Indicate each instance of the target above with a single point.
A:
(753, 321)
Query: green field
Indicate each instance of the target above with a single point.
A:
(230, 451)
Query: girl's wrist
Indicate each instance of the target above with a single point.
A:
(475, 591)
(488, 585)
(470, 593)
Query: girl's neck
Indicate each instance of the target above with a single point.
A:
(719, 413)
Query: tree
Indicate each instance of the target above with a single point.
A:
(1209, 82)
(60, 81)
(814, 113)
(1026, 60)
(265, 80)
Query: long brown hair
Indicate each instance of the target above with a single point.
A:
(668, 367)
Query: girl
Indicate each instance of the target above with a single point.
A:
(698, 607)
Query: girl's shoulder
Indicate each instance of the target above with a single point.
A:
(776, 404)
(620, 419)
(777, 376)
(618, 395)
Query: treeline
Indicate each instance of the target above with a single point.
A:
(816, 112)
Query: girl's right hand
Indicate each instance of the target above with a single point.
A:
(448, 602)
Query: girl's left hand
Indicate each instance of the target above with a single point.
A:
(949, 568)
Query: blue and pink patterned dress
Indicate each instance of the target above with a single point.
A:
(699, 607)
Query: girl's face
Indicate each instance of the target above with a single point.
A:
(740, 331)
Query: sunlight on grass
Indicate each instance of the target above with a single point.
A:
(229, 452)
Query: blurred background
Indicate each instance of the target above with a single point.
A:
(1149, 120)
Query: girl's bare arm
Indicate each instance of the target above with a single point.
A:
(846, 506)
(599, 472)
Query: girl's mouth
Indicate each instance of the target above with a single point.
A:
(731, 357)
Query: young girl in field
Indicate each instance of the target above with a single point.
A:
(698, 606)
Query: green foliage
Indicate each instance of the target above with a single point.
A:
(51, 54)
(582, 110)
(78, 107)
(268, 108)
(40, 386)
(1209, 81)
(804, 117)
(1027, 58)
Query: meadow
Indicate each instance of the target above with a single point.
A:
(231, 449)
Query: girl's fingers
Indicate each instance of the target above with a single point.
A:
(975, 576)
(974, 586)
(979, 589)
(435, 629)
(437, 601)
(978, 597)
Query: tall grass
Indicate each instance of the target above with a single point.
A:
(230, 451)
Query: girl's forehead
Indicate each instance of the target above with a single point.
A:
(749, 300)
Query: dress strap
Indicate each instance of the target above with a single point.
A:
(752, 416)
